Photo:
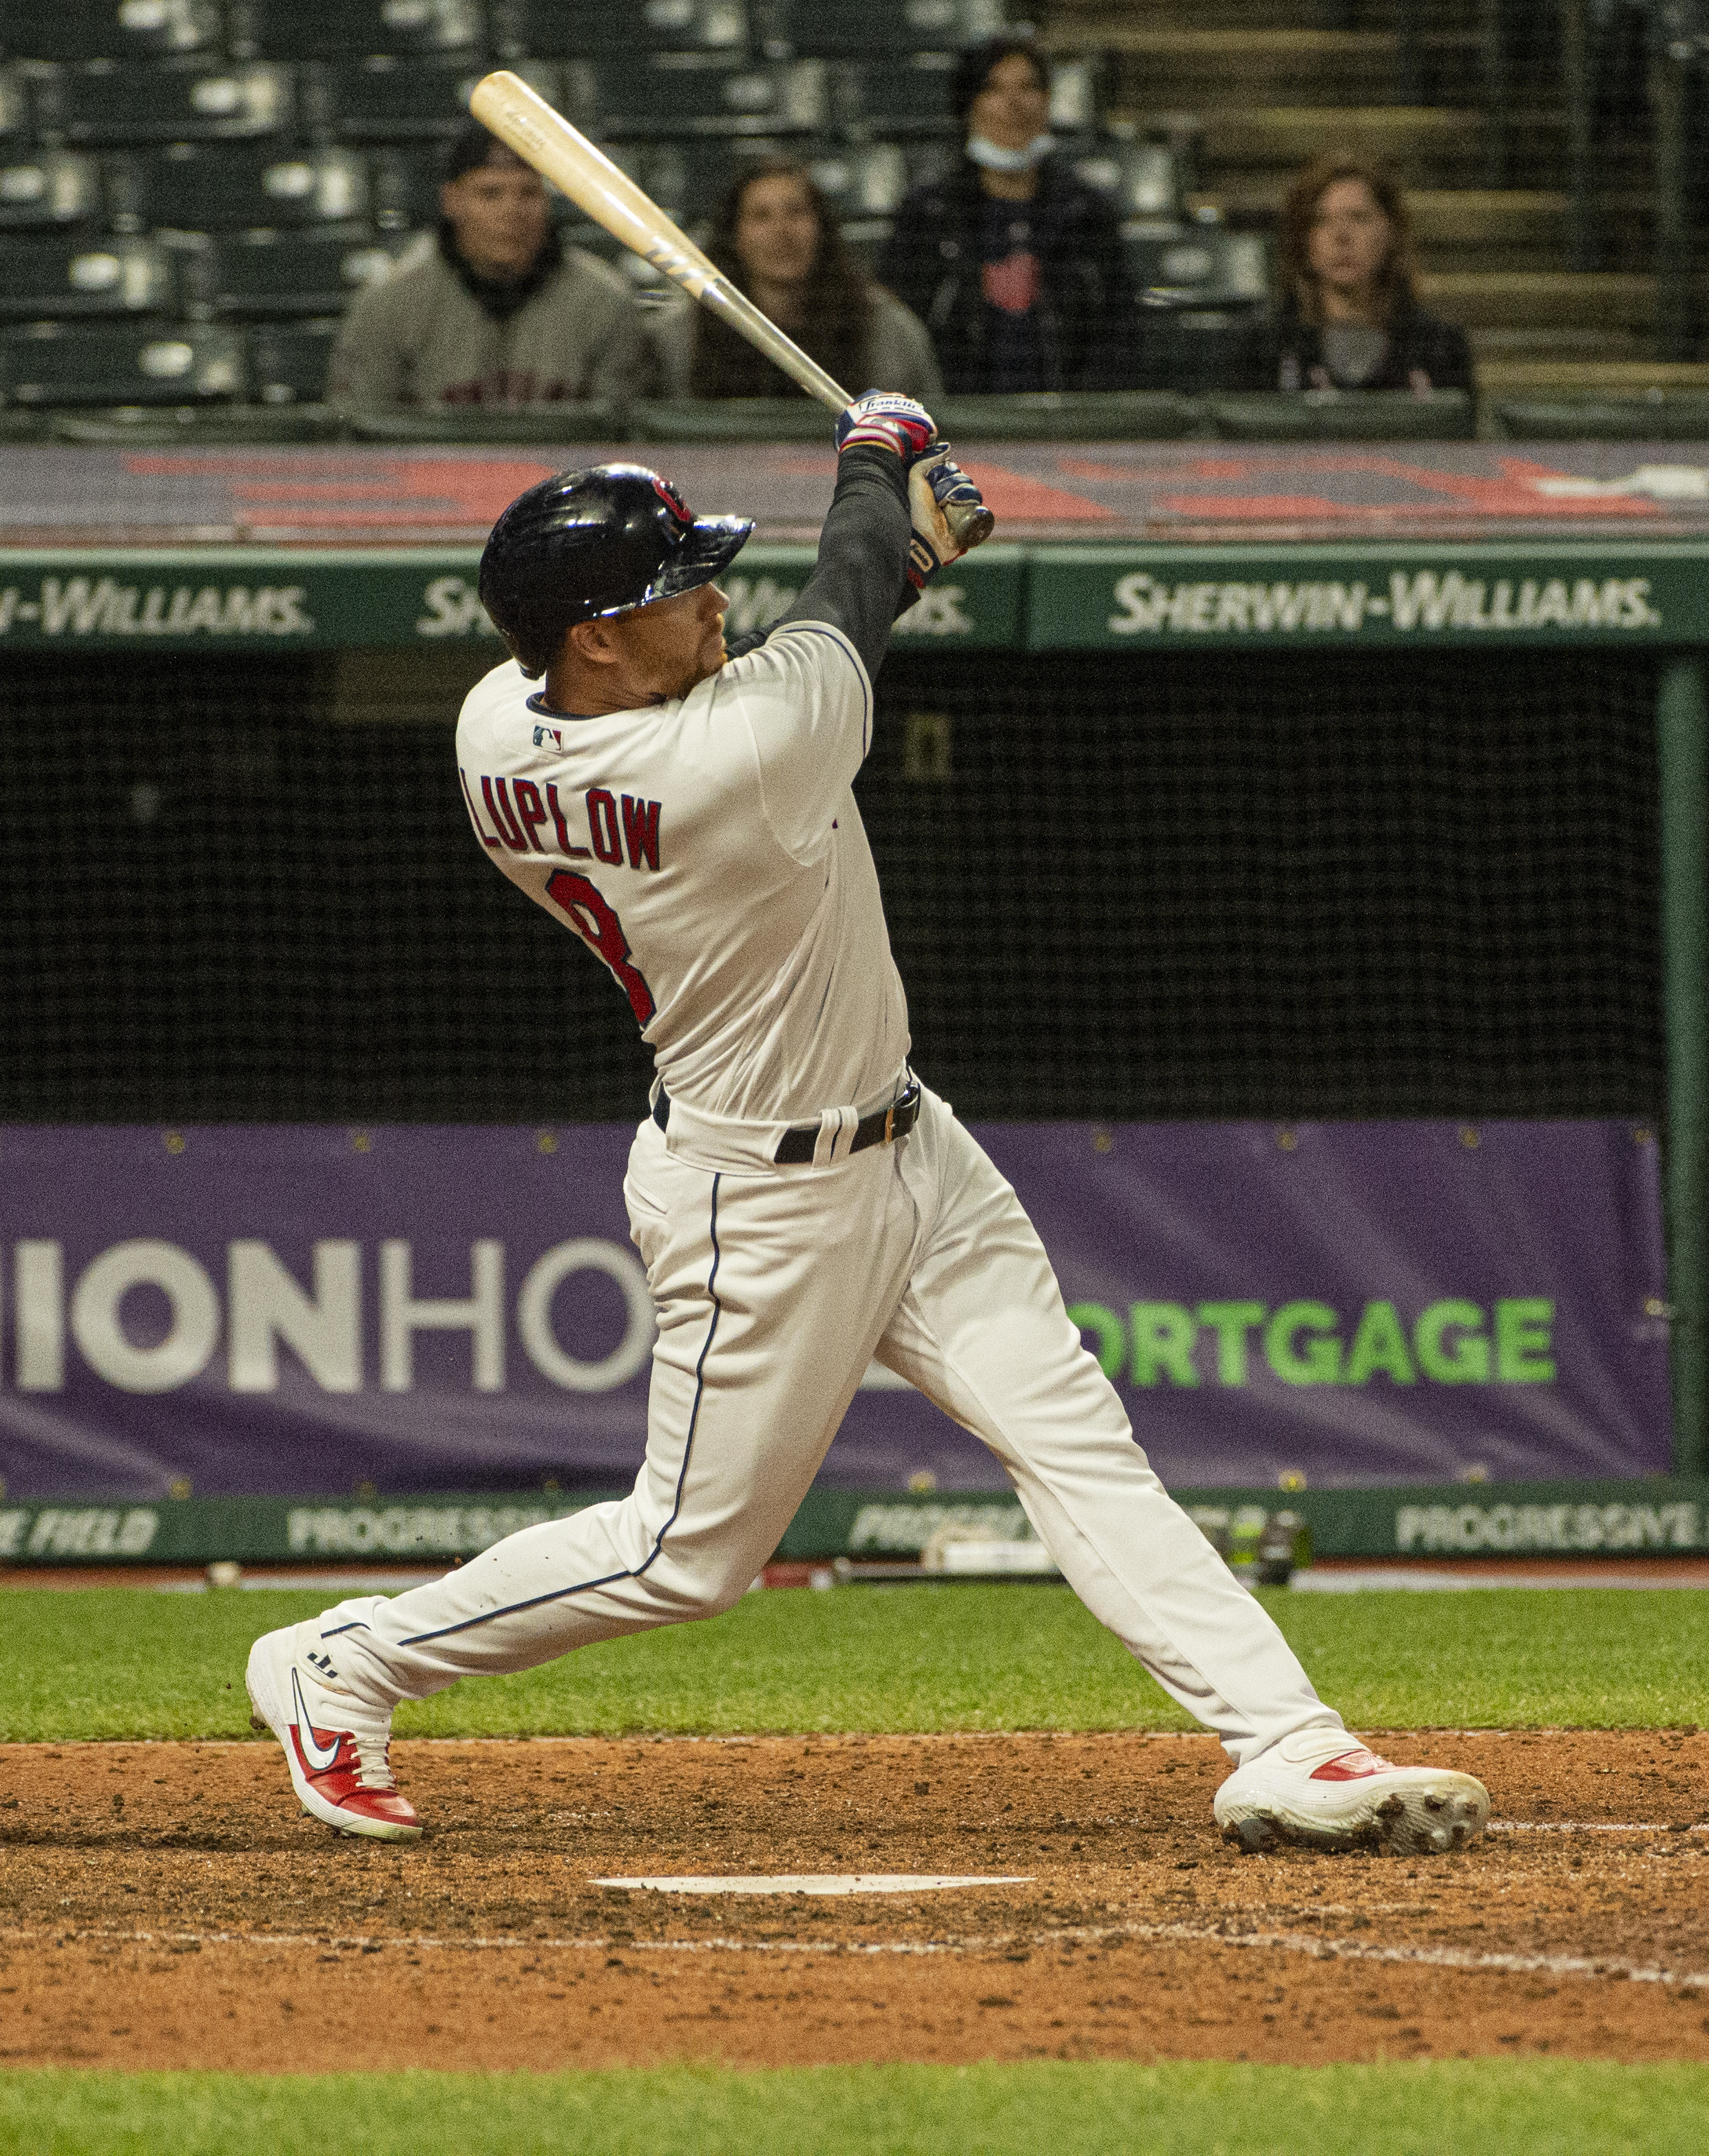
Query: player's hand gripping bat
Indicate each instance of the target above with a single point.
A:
(527, 124)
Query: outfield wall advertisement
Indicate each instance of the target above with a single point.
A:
(240, 1311)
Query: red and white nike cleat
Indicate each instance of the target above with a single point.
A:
(336, 1747)
(1321, 1789)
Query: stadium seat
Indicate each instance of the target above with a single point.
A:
(45, 279)
(1358, 415)
(53, 188)
(108, 29)
(340, 29)
(390, 100)
(733, 419)
(1202, 264)
(260, 274)
(288, 362)
(55, 363)
(581, 29)
(1659, 416)
(904, 93)
(1071, 416)
(541, 424)
(1142, 179)
(1076, 96)
(233, 186)
(1187, 344)
(665, 94)
(854, 30)
(108, 102)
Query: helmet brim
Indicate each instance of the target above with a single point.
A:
(708, 548)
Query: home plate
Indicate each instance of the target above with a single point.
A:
(822, 1882)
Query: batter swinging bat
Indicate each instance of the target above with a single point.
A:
(527, 124)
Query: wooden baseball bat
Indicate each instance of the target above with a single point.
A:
(527, 124)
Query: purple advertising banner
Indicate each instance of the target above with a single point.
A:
(280, 1311)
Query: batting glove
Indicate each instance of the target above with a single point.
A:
(889, 423)
(947, 513)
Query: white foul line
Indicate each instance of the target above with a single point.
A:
(1301, 1943)
(820, 1882)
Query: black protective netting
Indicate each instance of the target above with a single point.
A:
(1274, 886)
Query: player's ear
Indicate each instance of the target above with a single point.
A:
(594, 642)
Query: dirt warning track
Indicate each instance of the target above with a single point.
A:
(167, 1904)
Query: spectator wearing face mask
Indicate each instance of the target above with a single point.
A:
(492, 310)
(1013, 263)
(776, 237)
(1348, 316)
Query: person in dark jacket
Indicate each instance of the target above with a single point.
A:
(1348, 316)
(1014, 265)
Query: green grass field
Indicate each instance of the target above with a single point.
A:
(128, 1663)
(1512, 2106)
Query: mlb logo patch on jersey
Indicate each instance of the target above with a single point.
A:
(543, 733)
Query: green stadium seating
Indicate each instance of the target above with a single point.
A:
(1142, 179)
(382, 99)
(541, 424)
(1067, 416)
(288, 362)
(109, 102)
(62, 363)
(853, 29)
(17, 133)
(666, 94)
(54, 188)
(212, 426)
(193, 187)
(1199, 264)
(733, 419)
(1188, 344)
(108, 29)
(43, 279)
(340, 29)
(583, 30)
(1357, 415)
(904, 93)
(1659, 416)
(262, 274)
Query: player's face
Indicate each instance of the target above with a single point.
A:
(1013, 106)
(499, 216)
(668, 646)
(1350, 239)
(777, 233)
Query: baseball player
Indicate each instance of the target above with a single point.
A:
(803, 1203)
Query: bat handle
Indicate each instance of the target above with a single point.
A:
(971, 527)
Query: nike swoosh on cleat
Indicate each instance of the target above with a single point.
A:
(318, 1756)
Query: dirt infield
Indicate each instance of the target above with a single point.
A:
(167, 1904)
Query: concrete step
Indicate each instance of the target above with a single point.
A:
(1428, 146)
(1573, 377)
(1197, 66)
(1548, 300)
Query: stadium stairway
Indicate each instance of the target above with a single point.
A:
(1269, 90)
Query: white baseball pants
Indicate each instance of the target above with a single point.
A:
(774, 1289)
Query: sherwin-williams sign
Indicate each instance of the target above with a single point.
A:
(310, 1310)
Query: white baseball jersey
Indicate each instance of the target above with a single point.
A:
(710, 852)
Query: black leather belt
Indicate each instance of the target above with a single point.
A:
(797, 1147)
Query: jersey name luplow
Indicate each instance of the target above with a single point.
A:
(519, 811)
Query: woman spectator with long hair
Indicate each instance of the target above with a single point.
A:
(776, 237)
(1347, 315)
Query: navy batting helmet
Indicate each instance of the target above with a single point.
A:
(596, 542)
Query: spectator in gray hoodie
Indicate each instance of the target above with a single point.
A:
(493, 311)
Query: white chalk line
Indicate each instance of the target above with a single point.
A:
(1174, 1934)
(1591, 1826)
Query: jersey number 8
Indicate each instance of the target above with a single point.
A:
(590, 915)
